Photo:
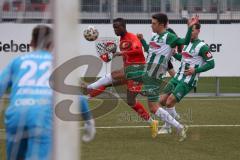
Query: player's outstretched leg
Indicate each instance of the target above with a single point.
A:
(97, 91)
(89, 123)
(97, 87)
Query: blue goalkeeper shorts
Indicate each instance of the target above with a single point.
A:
(29, 137)
(29, 144)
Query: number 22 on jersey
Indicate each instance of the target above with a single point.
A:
(30, 78)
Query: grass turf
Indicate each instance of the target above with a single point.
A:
(215, 143)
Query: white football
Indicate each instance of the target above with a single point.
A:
(91, 33)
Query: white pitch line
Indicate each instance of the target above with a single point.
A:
(127, 127)
(191, 126)
(221, 125)
(121, 127)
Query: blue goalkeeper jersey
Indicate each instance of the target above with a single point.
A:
(27, 78)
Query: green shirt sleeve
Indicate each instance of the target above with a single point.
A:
(178, 56)
(145, 45)
(174, 41)
(207, 57)
(205, 53)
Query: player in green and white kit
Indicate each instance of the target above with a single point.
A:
(195, 58)
(160, 50)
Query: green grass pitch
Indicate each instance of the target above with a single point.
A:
(203, 142)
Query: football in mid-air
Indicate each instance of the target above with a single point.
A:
(91, 33)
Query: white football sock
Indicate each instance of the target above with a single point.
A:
(173, 113)
(166, 117)
(103, 81)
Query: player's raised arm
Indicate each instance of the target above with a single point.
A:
(174, 41)
(143, 41)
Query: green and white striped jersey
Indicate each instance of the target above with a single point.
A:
(195, 54)
(159, 53)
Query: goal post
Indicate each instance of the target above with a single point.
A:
(66, 30)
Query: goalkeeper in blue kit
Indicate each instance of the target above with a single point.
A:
(28, 118)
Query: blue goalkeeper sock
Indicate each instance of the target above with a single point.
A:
(86, 114)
